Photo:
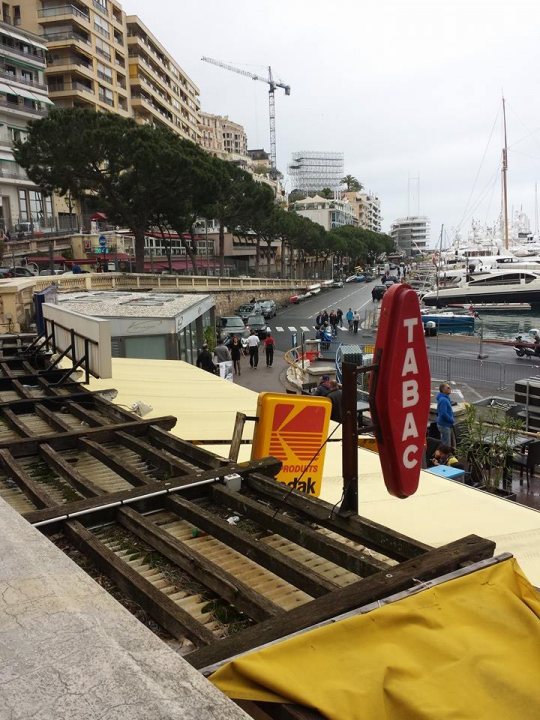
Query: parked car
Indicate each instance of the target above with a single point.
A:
(54, 272)
(244, 311)
(368, 278)
(336, 284)
(21, 271)
(356, 278)
(268, 308)
(6, 273)
(377, 292)
(258, 323)
(229, 326)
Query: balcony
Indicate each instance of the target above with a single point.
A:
(21, 108)
(62, 10)
(36, 56)
(106, 100)
(20, 79)
(59, 36)
(106, 78)
(74, 85)
(71, 63)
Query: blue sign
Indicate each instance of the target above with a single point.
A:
(102, 240)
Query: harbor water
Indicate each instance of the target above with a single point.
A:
(507, 325)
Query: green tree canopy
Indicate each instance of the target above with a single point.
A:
(352, 183)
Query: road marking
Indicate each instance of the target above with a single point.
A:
(279, 328)
(292, 329)
(304, 328)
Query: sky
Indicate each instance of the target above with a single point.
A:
(410, 91)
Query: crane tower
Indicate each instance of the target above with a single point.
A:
(273, 84)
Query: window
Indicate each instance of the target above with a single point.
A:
(101, 25)
(104, 72)
(17, 134)
(27, 75)
(103, 48)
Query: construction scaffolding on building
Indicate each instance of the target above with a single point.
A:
(311, 171)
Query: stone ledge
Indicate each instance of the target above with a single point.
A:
(69, 651)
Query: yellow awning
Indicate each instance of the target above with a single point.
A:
(468, 648)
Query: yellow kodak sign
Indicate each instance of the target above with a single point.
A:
(293, 428)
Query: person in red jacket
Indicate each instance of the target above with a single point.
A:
(269, 349)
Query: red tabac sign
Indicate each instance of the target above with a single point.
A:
(401, 397)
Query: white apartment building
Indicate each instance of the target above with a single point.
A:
(23, 97)
(329, 213)
(411, 234)
(367, 208)
(314, 171)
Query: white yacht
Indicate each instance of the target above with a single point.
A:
(498, 286)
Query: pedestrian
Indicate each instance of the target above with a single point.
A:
(76, 269)
(339, 313)
(236, 351)
(221, 351)
(336, 398)
(444, 455)
(319, 319)
(445, 415)
(333, 322)
(324, 317)
(269, 349)
(349, 317)
(356, 320)
(323, 388)
(204, 360)
(253, 347)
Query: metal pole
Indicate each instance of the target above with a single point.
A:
(481, 355)
(349, 441)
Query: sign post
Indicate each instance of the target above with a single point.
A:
(102, 240)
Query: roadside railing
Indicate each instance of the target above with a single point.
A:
(134, 281)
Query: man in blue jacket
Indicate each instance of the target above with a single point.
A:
(445, 415)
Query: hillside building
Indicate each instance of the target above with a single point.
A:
(329, 213)
(224, 138)
(367, 208)
(411, 234)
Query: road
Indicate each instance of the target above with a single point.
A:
(301, 317)
(495, 374)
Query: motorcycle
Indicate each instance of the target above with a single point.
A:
(523, 350)
(324, 334)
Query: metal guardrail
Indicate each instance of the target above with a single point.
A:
(471, 370)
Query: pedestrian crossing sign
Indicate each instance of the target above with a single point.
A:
(293, 429)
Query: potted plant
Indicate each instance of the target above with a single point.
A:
(487, 442)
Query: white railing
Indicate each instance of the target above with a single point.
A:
(134, 281)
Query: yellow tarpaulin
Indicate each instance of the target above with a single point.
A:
(468, 648)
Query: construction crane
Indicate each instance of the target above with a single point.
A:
(271, 101)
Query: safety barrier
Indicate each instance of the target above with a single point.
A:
(472, 370)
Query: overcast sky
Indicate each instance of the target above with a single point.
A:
(405, 89)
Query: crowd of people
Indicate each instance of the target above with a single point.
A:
(214, 361)
(327, 323)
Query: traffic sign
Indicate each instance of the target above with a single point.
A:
(102, 240)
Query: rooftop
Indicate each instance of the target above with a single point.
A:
(129, 304)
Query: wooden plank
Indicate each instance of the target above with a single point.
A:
(164, 610)
(184, 449)
(69, 472)
(375, 536)
(54, 419)
(23, 391)
(290, 570)
(86, 414)
(431, 564)
(121, 467)
(172, 465)
(77, 506)
(354, 560)
(30, 487)
(198, 566)
(68, 440)
(6, 370)
(16, 423)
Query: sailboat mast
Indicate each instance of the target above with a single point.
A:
(504, 178)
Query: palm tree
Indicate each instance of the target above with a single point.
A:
(352, 183)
